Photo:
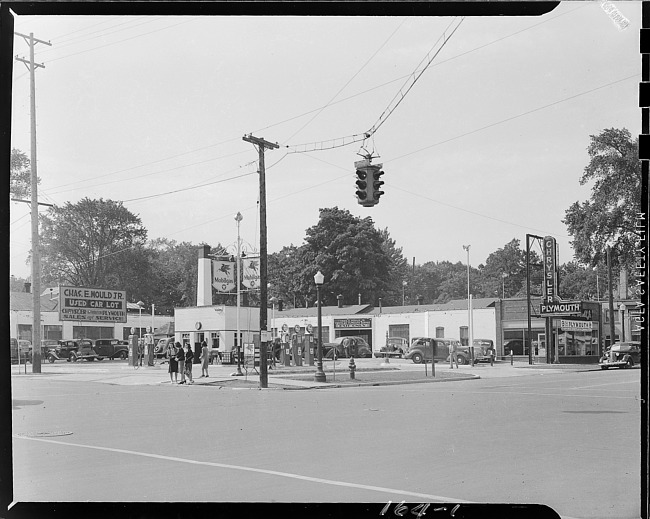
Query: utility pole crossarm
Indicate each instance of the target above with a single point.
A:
(260, 142)
(28, 63)
(30, 38)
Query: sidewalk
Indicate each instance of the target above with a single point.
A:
(369, 372)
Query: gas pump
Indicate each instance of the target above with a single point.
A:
(309, 349)
(133, 349)
(285, 351)
(297, 348)
(148, 348)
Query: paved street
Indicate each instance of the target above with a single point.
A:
(517, 435)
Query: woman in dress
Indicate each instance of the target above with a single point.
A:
(189, 357)
(180, 357)
(173, 363)
(205, 357)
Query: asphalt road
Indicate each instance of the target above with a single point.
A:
(568, 440)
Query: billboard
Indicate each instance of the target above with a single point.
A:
(92, 305)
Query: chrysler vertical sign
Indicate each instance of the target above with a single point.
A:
(550, 270)
(92, 304)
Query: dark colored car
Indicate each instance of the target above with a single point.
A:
(160, 349)
(516, 345)
(621, 355)
(73, 350)
(421, 349)
(350, 346)
(395, 347)
(47, 345)
(111, 348)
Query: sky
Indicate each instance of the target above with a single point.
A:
(486, 145)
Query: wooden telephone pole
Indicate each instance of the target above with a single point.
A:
(262, 145)
(36, 255)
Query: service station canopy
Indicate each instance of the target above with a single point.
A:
(92, 304)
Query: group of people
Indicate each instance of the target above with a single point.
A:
(181, 358)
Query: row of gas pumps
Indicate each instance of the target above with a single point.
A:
(298, 350)
(137, 355)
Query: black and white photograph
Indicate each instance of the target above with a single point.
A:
(384, 257)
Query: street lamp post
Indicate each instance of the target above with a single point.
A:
(140, 305)
(238, 373)
(595, 269)
(320, 374)
(469, 311)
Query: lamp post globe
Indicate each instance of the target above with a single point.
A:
(320, 374)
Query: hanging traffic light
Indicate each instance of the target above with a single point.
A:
(362, 187)
(377, 183)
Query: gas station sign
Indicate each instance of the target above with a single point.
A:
(92, 304)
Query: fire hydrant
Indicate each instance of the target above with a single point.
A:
(352, 367)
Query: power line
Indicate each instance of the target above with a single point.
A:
(394, 103)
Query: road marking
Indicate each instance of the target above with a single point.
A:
(430, 497)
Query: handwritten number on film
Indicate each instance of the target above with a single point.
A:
(401, 509)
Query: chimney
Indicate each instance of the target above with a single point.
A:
(380, 306)
(204, 278)
(28, 288)
(280, 304)
(339, 299)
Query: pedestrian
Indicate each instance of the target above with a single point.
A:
(189, 357)
(205, 357)
(453, 355)
(180, 357)
(173, 363)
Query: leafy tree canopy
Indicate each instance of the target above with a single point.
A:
(20, 184)
(608, 217)
(93, 243)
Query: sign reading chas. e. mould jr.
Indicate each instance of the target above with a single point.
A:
(92, 304)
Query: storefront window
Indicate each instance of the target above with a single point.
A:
(92, 332)
(53, 332)
(399, 330)
(464, 335)
(440, 332)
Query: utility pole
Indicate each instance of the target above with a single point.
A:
(36, 254)
(262, 145)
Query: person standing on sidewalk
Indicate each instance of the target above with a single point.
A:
(180, 357)
(189, 358)
(205, 357)
(453, 355)
(173, 363)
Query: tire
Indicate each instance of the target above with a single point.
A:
(604, 367)
(417, 358)
(123, 355)
(91, 359)
(51, 358)
(72, 357)
(461, 360)
(630, 363)
(100, 358)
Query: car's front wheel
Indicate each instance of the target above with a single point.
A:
(73, 357)
(51, 358)
(462, 360)
(417, 358)
(123, 355)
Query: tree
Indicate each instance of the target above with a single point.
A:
(349, 251)
(397, 270)
(20, 175)
(578, 283)
(608, 217)
(504, 272)
(93, 243)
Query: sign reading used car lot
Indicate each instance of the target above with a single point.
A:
(92, 304)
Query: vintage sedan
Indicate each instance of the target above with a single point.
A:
(621, 355)
(349, 346)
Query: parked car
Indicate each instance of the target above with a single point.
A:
(349, 346)
(46, 346)
(73, 350)
(395, 347)
(111, 348)
(425, 348)
(621, 355)
(516, 345)
(486, 346)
